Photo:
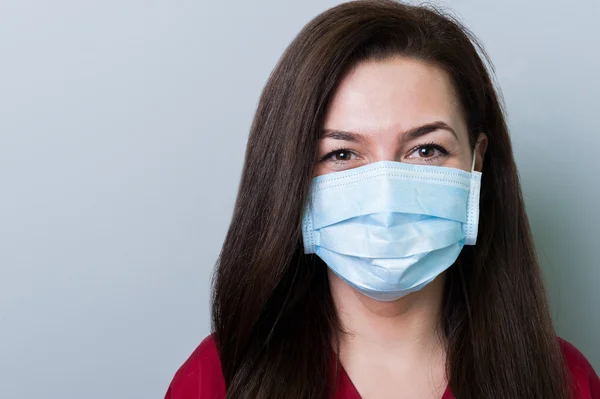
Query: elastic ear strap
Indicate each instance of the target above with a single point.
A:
(474, 158)
(472, 226)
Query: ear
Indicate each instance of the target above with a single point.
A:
(480, 149)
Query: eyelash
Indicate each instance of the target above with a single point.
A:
(335, 151)
(432, 145)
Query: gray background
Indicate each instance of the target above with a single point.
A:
(122, 132)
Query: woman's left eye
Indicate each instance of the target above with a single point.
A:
(428, 152)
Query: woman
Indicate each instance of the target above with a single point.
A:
(379, 246)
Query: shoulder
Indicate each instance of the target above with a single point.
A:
(200, 376)
(583, 376)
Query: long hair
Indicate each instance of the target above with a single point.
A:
(273, 316)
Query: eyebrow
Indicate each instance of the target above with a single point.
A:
(410, 134)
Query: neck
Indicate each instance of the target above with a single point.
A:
(407, 327)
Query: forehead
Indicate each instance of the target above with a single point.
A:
(395, 94)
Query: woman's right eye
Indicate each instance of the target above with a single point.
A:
(342, 155)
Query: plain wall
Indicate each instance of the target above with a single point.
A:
(123, 126)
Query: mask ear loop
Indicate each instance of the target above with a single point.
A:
(474, 159)
(471, 227)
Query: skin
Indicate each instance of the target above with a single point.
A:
(394, 349)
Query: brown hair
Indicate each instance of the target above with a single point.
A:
(273, 316)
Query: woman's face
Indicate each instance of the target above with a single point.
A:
(400, 109)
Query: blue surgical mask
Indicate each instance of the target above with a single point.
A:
(390, 228)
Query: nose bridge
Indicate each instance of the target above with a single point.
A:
(385, 150)
(385, 189)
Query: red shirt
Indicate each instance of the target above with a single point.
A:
(200, 377)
